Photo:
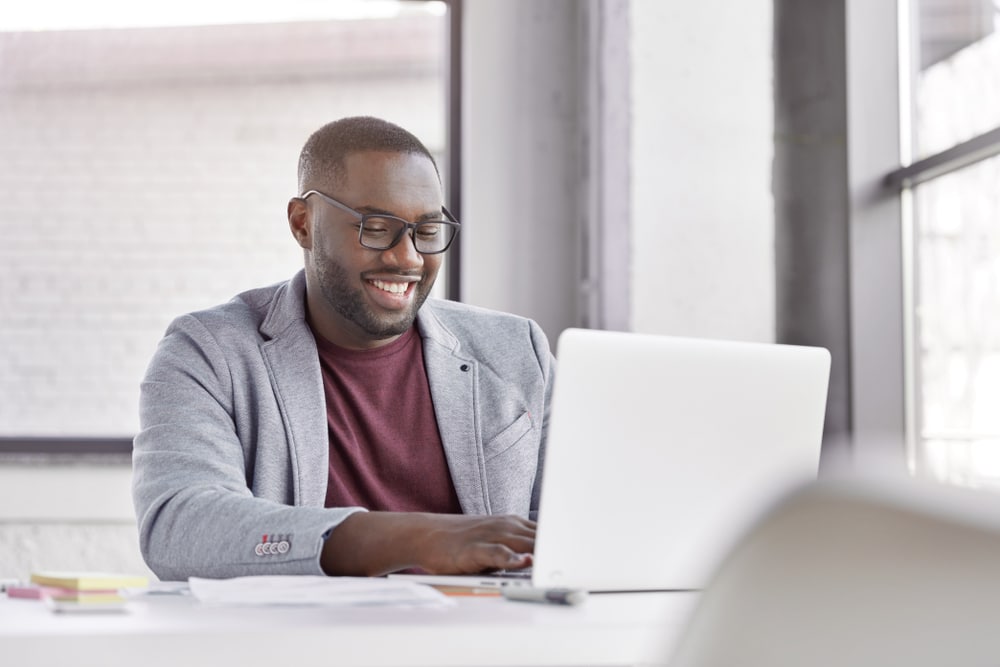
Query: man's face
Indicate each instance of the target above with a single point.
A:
(358, 297)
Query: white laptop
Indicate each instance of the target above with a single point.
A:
(661, 451)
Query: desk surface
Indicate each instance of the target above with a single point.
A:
(608, 629)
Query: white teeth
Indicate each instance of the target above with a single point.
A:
(395, 288)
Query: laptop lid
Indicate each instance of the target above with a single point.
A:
(662, 450)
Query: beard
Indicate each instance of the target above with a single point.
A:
(349, 302)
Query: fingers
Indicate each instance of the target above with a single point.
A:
(499, 557)
(488, 528)
(508, 525)
(514, 533)
(508, 553)
(469, 544)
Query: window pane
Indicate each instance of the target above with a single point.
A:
(146, 171)
(957, 84)
(956, 244)
(958, 323)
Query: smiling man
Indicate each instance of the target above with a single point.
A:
(343, 422)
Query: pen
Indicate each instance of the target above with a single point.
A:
(569, 596)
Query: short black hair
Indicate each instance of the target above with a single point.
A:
(327, 148)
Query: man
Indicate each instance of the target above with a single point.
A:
(339, 423)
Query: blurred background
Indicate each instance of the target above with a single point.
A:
(819, 172)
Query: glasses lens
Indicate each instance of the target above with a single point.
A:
(380, 233)
(431, 237)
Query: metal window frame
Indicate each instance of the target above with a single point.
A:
(957, 157)
(879, 429)
(51, 449)
(453, 84)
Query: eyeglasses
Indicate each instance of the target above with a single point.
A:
(379, 231)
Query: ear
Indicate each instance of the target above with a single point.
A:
(300, 222)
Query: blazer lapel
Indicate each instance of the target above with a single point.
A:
(452, 378)
(293, 365)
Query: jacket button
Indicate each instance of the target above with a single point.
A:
(464, 368)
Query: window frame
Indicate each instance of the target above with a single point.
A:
(880, 431)
(112, 449)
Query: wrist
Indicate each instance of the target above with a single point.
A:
(374, 543)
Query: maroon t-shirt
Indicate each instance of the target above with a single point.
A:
(385, 449)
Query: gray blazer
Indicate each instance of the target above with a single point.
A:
(230, 464)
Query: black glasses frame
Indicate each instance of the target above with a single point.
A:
(412, 227)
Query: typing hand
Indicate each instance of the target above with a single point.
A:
(375, 543)
(459, 544)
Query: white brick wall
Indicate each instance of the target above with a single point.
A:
(136, 185)
(101, 546)
(67, 516)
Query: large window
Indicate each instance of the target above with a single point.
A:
(952, 191)
(149, 151)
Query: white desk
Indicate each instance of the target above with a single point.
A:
(173, 631)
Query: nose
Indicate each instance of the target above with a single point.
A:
(404, 254)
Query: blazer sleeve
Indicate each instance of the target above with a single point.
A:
(196, 512)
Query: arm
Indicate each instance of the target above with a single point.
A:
(212, 474)
(375, 543)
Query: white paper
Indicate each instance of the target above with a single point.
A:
(316, 591)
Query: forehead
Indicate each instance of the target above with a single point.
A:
(377, 176)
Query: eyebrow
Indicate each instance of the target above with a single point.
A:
(381, 211)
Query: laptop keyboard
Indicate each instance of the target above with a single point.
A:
(524, 573)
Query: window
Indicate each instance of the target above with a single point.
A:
(149, 152)
(953, 188)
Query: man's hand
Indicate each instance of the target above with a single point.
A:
(375, 543)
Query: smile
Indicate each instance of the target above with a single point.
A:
(392, 287)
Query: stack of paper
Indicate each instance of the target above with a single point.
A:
(316, 590)
(82, 591)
